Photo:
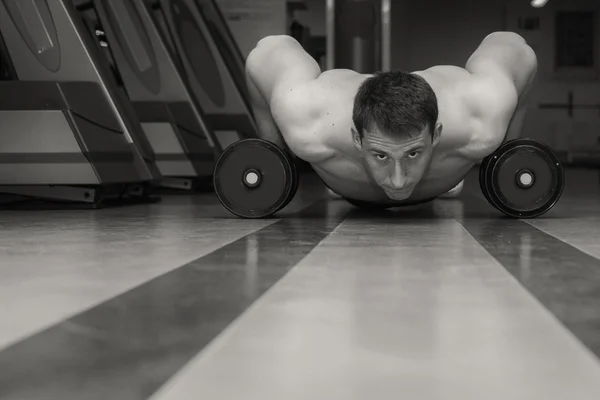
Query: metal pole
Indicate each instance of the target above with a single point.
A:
(386, 35)
(330, 35)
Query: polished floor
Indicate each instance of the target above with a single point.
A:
(180, 300)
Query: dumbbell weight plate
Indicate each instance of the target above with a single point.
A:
(295, 184)
(253, 178)
(523, 178)
(482, 177)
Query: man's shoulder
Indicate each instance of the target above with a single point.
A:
(491, 102)
(310, 97)
(485, 93)
(490, 94)
(313, 112)
(479, 107)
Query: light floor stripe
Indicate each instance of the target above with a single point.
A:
(407, 309)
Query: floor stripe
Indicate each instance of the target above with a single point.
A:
(397, 308)
(127, 347)
(563, 278)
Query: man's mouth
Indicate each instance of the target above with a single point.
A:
(393, 190)
(398, 193)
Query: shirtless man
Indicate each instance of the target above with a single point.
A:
(391, 138)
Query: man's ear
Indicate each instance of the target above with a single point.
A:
(437, 133)
(356, 138)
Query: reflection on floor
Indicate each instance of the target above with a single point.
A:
(181, 300)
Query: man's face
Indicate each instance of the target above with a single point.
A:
(397, 162)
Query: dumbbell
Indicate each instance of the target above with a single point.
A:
(523, 178)
(254, 178)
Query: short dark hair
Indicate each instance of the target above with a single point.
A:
(395, 102)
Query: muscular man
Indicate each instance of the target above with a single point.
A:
(391, 138)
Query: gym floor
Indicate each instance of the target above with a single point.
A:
(181, 300)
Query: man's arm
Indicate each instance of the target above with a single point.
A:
(515, 126)
(502, 69)
(281, 79)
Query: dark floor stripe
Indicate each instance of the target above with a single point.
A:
(129, 346)
(563, 278)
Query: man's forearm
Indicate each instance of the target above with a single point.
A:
(268, 130)
(515, 127)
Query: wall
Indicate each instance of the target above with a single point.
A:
(313, 16)
(416, 29)
(433, 32)
(251, 20)
(581, 132)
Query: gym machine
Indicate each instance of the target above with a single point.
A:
(66, 131)
(185, 147)
(227, 46)
(211, 64)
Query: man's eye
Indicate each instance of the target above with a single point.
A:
(413, 154)
(381, 157)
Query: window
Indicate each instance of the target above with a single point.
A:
(575, 37)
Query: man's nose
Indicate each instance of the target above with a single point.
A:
(398, 177)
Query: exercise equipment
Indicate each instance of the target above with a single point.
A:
(227, 45)
(185, 147)
(523, 178)
(67, 132)
(254, 178)
(216, 85)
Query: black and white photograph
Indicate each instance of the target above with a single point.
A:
(299, 199)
